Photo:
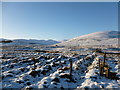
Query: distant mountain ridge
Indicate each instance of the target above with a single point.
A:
(96, 38)
(29, 41)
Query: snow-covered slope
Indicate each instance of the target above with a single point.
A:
(106, 34)
(31, 41)
(97, 38)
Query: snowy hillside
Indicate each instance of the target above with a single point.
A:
(97, 38)
(30, 41)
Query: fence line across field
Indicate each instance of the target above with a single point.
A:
(102, 65)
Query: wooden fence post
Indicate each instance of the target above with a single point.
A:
(83, 58)
(34, 62)
(102, 67)
(104, 58)
(104, 61)
(70, 69)
(108, 73)
(99, 67)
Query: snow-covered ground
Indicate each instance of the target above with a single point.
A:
(52, 70)
(38, 64)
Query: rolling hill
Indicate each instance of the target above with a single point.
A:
(97, 38)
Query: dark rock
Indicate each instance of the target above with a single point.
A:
(3, 77)
(22, 69)
(87, 71)
(26, 79)
(20, 82)
(62, 88)
(11, 66)
(83, 71)
(45, 82)
(49, 67)
(55, 64)
(55, 83)
(95, 77)
(28, 83)
(9, 76)
(96, 73)
(44, 72)
(116, 63)
(2, 68)
(29, 88)
(65, 76)
(45, 86)
(64, 62)
(41, 57)
(113, 76)
(47, 62)
(56, 80)
(11, 72)
(34, 73)
(66, 68)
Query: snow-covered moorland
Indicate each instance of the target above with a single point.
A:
(27, 68)
(70, 64)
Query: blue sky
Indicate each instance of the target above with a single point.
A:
(58, 21)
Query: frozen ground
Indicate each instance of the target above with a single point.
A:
(52, 69)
